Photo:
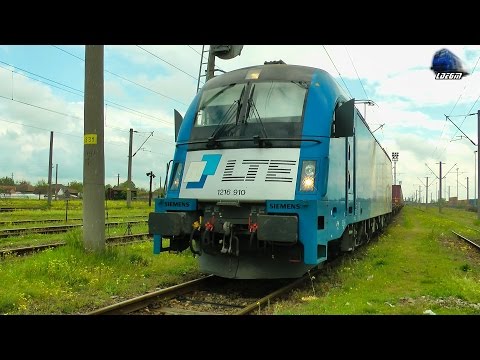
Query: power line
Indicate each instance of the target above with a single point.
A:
(40, 107)
(40, 81)
(161, 140)
(56, 132)
(358, 77)
(156, 92)
(337, 71)
(118, 106)
(145, 132)
(29, 72)
(165, 61)
(154, 118)
(454, 106)
(123, 78)
(469, 111)
(198, 52)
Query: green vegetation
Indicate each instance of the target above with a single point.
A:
(116, 211)
(417, 266)
(39, 239)
(67, 280)
(74, 210)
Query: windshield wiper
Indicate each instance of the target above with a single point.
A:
(211, 141)
(226, 118)
(256, 139)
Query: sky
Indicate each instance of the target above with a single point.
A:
(41, 90)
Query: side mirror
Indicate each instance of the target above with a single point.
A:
(178, 121)
(343, 124)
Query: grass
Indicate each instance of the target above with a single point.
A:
(117, 209)
(415, 266)
(39, 239)
(68, 280)
(75, 209)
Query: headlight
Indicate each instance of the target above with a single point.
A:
(177, 177)
(310, 170)
(307, 180)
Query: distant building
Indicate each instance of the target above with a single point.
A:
(60, 191)
(8, 189)
(120, 192)
(25, 188)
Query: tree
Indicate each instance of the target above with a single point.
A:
(76, 185)
(7, 181)
(24, 182)
(41, 187)
(41, 183)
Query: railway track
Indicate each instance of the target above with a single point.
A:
(475, 245)
(55, 228)
(210, 295)
(11, 209)
(112, 240)
(16, 222)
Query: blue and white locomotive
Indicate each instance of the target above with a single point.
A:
(274, 170)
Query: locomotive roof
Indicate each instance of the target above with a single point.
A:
(280, 72)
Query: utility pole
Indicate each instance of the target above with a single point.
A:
(467, 189)
(440, 192)
(445, 189)
(426, 195)
(130, 157)
(93, 151)
(118, 179)
(478, 159)
(475, 180)
(129, 194)
(458, 173)
(56, 180)
(457, 184)
(419, 194)
(50, 171)
(448, 199)
(152, 175)
(439, 199)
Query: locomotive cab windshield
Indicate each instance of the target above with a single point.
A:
(245, 112)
